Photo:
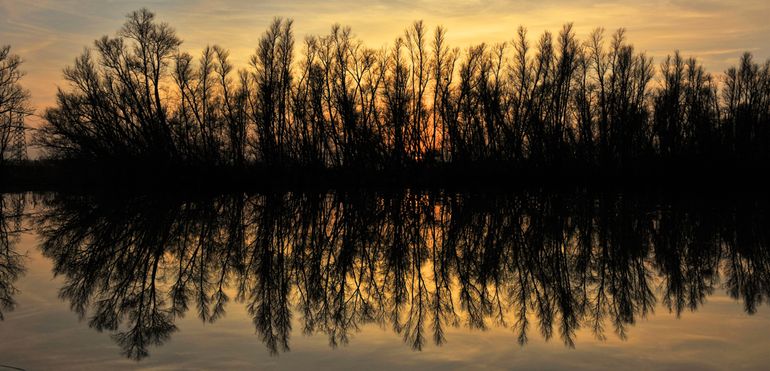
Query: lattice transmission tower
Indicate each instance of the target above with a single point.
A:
(18, 143)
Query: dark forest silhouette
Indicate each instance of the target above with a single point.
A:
(136, 100)
(415, 262)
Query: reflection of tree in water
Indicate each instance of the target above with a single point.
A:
(415, 262)
(11, 264)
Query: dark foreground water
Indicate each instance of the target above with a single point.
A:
(384, 280)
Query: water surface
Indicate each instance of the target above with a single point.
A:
(412, 280)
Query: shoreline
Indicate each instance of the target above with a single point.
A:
(677, 178)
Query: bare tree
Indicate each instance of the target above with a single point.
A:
(554, 105)
(115, 106)
(14, 103)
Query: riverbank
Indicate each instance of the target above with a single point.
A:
(66, 175)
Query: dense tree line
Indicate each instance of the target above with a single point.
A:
(559, 102)
(415, 262)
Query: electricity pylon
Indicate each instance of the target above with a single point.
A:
(18, 143)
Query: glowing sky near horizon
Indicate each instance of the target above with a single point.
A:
(49, 34)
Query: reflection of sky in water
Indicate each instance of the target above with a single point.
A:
(42, 333)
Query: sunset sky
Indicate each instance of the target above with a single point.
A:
(49, 34)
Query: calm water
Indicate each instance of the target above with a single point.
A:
(408, 280)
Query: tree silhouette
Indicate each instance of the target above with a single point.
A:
(14, 107)
(558, 105)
